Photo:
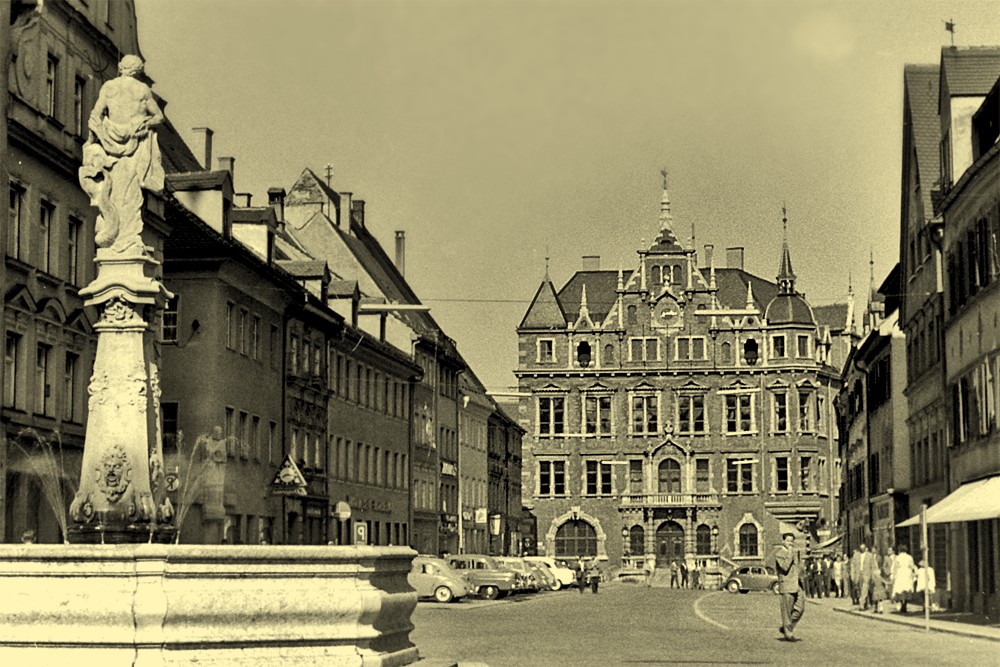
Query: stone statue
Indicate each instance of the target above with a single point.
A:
(121, 157)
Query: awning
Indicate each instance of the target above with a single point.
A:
(829, 543)
(975, 501)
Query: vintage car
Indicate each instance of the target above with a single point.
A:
(564, 575)
(432, 577)
(487, 577)
(531, 580)
(752, 578)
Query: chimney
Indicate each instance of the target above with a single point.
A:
(276, 200)
(247, 198)
(358, 212)
(206, 143)
(401, 251)
(228, 164)
(591, 262)
(709, 254)
(734, 258)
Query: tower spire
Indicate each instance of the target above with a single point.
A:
(786, 277)
(666, 219)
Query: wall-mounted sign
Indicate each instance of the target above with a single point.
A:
(360, 533)
(342, 511)
(480, 515)
(289, 481)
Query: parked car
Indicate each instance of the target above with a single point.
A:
(543, 575)
(431, 576)
(529, 583)
(563, 574)
(487, 577)
(752, 578)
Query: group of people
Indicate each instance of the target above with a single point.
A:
(681, 575)
(588, 574)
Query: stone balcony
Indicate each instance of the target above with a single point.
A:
(671, 500)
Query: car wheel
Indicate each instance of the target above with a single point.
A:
(443, 594)
(557, 585)
(490, 592)
(775, 588)
(733, 587)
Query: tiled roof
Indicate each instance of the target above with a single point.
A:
(732, 285)
(602, 293)
(310, 189)
(789, 309)
(177, 156)
(970, 70)
(832, 315)
(254, 215)
(921, 90)
(342, 288)
(304, 269)
(545, 312)
(197, 180)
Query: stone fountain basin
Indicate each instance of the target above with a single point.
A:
(155, 604)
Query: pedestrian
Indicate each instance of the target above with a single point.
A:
(594, 575)
(904, 574)
(703, 575)
(684, 574)
(854, 572)
(788, 562)
(674, 572)
(581, 574)
(869, 567)
(878, 590)
(826, 566)
(695, 580)
(837, 571)
(649, 569)
(925, 580)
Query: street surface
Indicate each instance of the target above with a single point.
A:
(629, 624)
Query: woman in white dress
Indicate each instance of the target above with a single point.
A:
(903, 576)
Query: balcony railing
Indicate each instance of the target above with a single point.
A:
(670, 499)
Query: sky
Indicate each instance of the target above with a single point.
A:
(497, 134)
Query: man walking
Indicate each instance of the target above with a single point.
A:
(673, 574)
(788, 562)
(854, 575)
(869, 569)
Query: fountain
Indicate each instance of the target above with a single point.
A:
(121, 593)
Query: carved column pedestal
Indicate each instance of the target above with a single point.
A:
(122, 496)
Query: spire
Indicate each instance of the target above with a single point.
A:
(583, 300)
(750, 303)
(666, 219)
(786, 277)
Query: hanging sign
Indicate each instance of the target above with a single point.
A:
(289, 480)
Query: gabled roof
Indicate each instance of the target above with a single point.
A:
(920, 83)
(310, 189)
(313, 268)
(253, 215)
(970, 70)
(602, 293)
(198, 180)
(545, 311)
(177, 156)
(833, 315)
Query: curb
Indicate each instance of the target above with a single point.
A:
(934, 628)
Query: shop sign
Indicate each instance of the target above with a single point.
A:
(481, 515)
(289, 481)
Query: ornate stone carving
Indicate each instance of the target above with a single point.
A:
(98, 389)
(119, 311)
(114, 474)
(122, 157)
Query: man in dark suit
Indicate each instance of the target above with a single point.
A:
(788, 562)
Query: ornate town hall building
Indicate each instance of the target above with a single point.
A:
(678, 411)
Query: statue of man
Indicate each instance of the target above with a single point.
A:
(121, 157)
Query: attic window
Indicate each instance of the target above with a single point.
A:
(751, 352)
(583, 354)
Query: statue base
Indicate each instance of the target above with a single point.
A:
(128, 534)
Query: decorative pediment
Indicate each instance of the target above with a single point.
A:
(738, 385)
(691, 387)
(51, 309)
(551, 389)
(644, 387)
(778, 384)
(19, 297)
(665, 448)
(79, 322)
(598, 387)
(807, 383)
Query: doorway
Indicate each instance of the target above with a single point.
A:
(669, 543)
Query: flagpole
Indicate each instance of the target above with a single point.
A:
(927, 567)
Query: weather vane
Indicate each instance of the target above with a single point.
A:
(949, 25)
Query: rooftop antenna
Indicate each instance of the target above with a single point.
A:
(547, 262)
(329, 177)
(949, 25)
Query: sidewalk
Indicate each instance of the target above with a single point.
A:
(956, 623)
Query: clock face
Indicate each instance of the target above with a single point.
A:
(286, 475)
(667, 314)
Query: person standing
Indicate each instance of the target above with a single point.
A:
(787, 561)
(594, 575)
(581, 574)
(868, 569)
(854, 575)
(684, 574)
(925, 580)
(674, 571)
(903, 575)
(649, 568)
(826, 566)
(837, 570)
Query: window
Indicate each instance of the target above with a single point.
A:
(691, 414)
(597, 415)
(168, 426)
(551, 413)
(806, 474)
(576, 538)
(635, 476)
(778, 346)
(293, 359)
(12, 344)
(779, 413)
(73, 251)
(244, 436)
(45, 216)
(583, 355)
(726, 354)
(317, 360)
(780, 471)
(230, 335)
(703, 540)
(42, 388)
(272, 442)
(751, 352)
(645, 414)
(79, 104)
(230, 432)
(69, 386)
(803, 350)
(644, 349)
(820, 411)
(255, 437)
(690, 348)
(598, 479)
(703, 475)
(169, 323)
(669, 476)
(306, 354)
(748, 541)
(609, 355)
(14, 223)
(244, 330)
(551, 478)
(51, 85)
(739, 413)
(739, 476)
(806, 422)
(631, 316)
(255, 337)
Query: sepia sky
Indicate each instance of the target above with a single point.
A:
(497, 132)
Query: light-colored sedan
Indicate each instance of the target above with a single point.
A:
(433, 577)
(563, 575)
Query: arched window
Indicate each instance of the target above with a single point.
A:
(609, 354)
(676, 275)
(703, 540)
(751, 352)
(583, 354)
(669, 476)
(631, 317)
(576, 538)
(636, 540)
(748, 540)
(726, 353)
(656, 275)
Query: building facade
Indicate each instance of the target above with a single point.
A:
(504, 484)
(676, 411)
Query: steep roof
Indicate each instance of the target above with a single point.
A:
(545, 311)
(789, 309)
(602, 292)
(833, 315)
(177, 156)
(970, 70)
(920, 83)
(732, 286)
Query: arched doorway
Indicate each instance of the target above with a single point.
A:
(669, 543)
(669, 476)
